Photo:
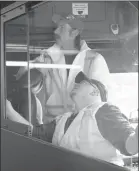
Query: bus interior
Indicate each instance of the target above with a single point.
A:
(111, 29)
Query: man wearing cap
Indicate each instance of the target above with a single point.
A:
(96, 128)
(68, 49)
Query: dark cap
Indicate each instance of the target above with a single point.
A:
(70, 19)
(102, 89)
(81, 77)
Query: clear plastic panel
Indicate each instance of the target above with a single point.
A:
(15, 32)
(47, 73)
(40, 38)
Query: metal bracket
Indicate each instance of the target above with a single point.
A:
(12, 14)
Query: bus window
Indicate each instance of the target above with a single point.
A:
(123, 64)
(35, 92)
(15, 56)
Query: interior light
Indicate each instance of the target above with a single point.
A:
(41, 65)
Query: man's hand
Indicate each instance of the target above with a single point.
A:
(43, 58)
(20, 72)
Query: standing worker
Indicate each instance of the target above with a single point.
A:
(68, 49)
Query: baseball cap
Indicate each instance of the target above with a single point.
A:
(70, 19)
(80, 77)
(102, 89)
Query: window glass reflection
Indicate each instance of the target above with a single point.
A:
(123, 65)
(121, 56)
(16, 51)
(41, 38)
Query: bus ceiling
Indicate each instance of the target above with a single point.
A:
(118, 20)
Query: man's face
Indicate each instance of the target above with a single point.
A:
(63, 34)
(84, 94)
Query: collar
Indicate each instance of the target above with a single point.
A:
(56, 53)
(84, 45)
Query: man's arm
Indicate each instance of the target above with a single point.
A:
(115, 127)
(43, 58)
(44, 131)
(13, 115)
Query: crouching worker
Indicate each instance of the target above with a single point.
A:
(96, 128)
(36, 83)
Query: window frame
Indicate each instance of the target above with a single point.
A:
(8, 13)
(14, 10)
